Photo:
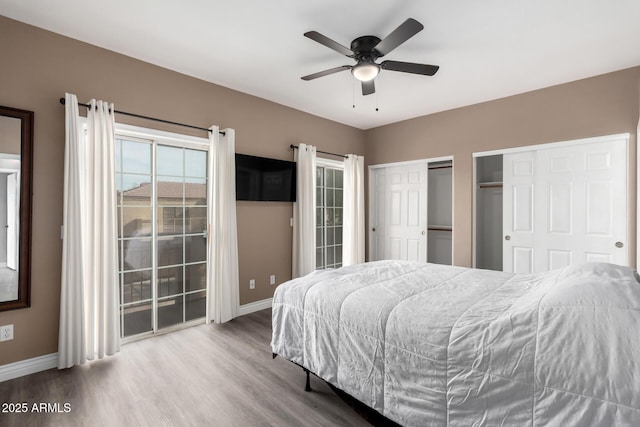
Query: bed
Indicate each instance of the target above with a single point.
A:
(425, 344)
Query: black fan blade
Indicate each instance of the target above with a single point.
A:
(410, 67)
(324, 40)
(404, 32)
(326, 72)
(368, 87)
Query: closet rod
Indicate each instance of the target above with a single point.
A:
(439, 228)
(139, 116)
(490, 185)
(295, 147)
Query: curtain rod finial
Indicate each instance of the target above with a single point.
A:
(62, 101)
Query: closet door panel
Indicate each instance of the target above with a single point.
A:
(522, 260)
(559, 258)
(560, 208)
(413, 249)
(598, 257)
(582, 214)
(559, 195)
(522, 204)
(518, 212)
(399, 213)
(599, 215)
(562, 204)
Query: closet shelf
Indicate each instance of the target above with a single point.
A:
(495, 184)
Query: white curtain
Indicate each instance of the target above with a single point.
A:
(223, 283)
(304, 212)
(353, 221)
(89, 321)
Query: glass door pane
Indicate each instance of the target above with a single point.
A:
(181, 200)
(134, 213)
(329, 205)
(162, 224)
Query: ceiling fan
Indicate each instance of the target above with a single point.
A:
(366, 49)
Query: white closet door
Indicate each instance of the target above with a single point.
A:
(564, 206)
(399, 213)
(583, 205)
(519, 171)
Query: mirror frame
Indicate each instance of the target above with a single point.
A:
(26, 192)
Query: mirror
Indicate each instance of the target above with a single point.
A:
(16, 145)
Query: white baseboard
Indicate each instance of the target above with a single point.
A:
(254, 306)
(28, 366)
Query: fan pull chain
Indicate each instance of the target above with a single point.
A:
(353, 92)
(377, 91)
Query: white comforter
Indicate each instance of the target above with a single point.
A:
(426, 344)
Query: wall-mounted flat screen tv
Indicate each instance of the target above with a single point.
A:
(265, 180)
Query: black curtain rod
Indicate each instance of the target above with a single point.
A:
(139, 116)
(295, 147)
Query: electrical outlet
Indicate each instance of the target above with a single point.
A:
(6, 333)
(272, 279)
(252, 284)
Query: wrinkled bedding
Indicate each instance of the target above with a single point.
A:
(426, 344)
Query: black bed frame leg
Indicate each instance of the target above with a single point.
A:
(307, 386)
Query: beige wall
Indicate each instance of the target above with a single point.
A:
(602, 105)
(38, 67)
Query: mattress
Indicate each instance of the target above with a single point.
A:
(426, 344)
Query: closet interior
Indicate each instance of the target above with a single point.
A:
(489, 212)
(439, 212)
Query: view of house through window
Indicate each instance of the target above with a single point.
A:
(328, 214)
(162, 223)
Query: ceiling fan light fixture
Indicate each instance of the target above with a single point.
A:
(365, 71)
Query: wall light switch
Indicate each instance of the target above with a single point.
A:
(252, 284)
(272, 279)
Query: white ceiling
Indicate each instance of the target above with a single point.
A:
(486, 49)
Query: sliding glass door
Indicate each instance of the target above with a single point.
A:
(162, 232)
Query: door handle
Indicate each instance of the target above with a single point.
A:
(619, 244)
(423, 233)
(507, 237)
(373, 229)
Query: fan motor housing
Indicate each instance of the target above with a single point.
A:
(363, 47)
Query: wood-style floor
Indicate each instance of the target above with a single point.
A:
(208, 375)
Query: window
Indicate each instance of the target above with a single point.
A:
(162, 224)
(329, 176)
